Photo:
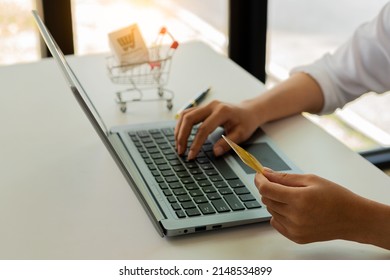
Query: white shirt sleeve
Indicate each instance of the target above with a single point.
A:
(359, 66)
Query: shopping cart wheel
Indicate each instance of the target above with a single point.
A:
(123, 108)
(169, 104)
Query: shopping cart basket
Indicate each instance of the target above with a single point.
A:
(148, 76)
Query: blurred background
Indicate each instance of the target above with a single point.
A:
(282, 34)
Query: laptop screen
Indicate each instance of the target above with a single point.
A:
(77, 89)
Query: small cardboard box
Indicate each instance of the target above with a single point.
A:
(128, 45)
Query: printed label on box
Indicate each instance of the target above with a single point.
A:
(128, 45)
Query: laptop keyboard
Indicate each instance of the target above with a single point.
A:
(204, 186)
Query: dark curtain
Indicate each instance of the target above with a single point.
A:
(247, 35)
(57, 16)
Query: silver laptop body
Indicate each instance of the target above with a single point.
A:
(179, 205)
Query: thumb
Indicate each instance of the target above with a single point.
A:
(221, 147)
(287, 179)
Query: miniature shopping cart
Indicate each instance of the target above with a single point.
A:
(147, 77)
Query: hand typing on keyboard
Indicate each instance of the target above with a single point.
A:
(238, 121)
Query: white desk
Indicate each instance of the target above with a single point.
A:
(63, 197)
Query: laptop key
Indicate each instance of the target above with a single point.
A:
(163, 167)
(167, 173)
(242, 190)
(159, 179)
(180, 191)
(200, 199)
(161, 141)
(192, 212)
(195, 193)
(247, 197)
(220, 206)
(234, 202)
(204, 183)
(236, 183)
(213, 196)
(203, 161)
(206, 208)
(171, 179)
(211, 172)
(252, 204)
(167, 192)
(175, 162)
(188, 205)
(207, 166)
(196, 171)
(175, 185)
(150, 145)
(142, 133)
(216, 178)
(207, 147)
(183, 174)
(172, 157)
(222, 166)
(179, 168)
(187, 180)
(151, 166)
(167, 131)
(191, 164)
(160, 161)
(184, 198)
(176, 206)
(180, 214)
(191, 186)
(209, 189)
(225, 191)
(200, 177)
(220, 184)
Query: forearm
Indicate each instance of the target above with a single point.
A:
(300, 93)
(373, 225)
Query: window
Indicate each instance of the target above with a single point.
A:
(19, 38)
(93, 20)
(301, 31)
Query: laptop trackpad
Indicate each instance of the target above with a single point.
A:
(265, 154)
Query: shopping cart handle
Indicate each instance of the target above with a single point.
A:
(163, 30)
(174, 45)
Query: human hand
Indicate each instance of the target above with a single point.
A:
(238, 121)
(308, 208)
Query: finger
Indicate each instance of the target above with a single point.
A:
(273, 191)
(276, 206)
(188, 119)
(181, 133)
(277, 216)
(286, 179)
(180, 121)
(279, 226)
(213, 120)
(221, 146)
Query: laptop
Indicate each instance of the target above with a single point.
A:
(180, 196)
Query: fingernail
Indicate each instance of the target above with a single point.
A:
(269, 170)
(218, 151)
(191, 155)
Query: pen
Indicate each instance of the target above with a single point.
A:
(194, 102)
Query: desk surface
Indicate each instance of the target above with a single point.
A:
(62, 196)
